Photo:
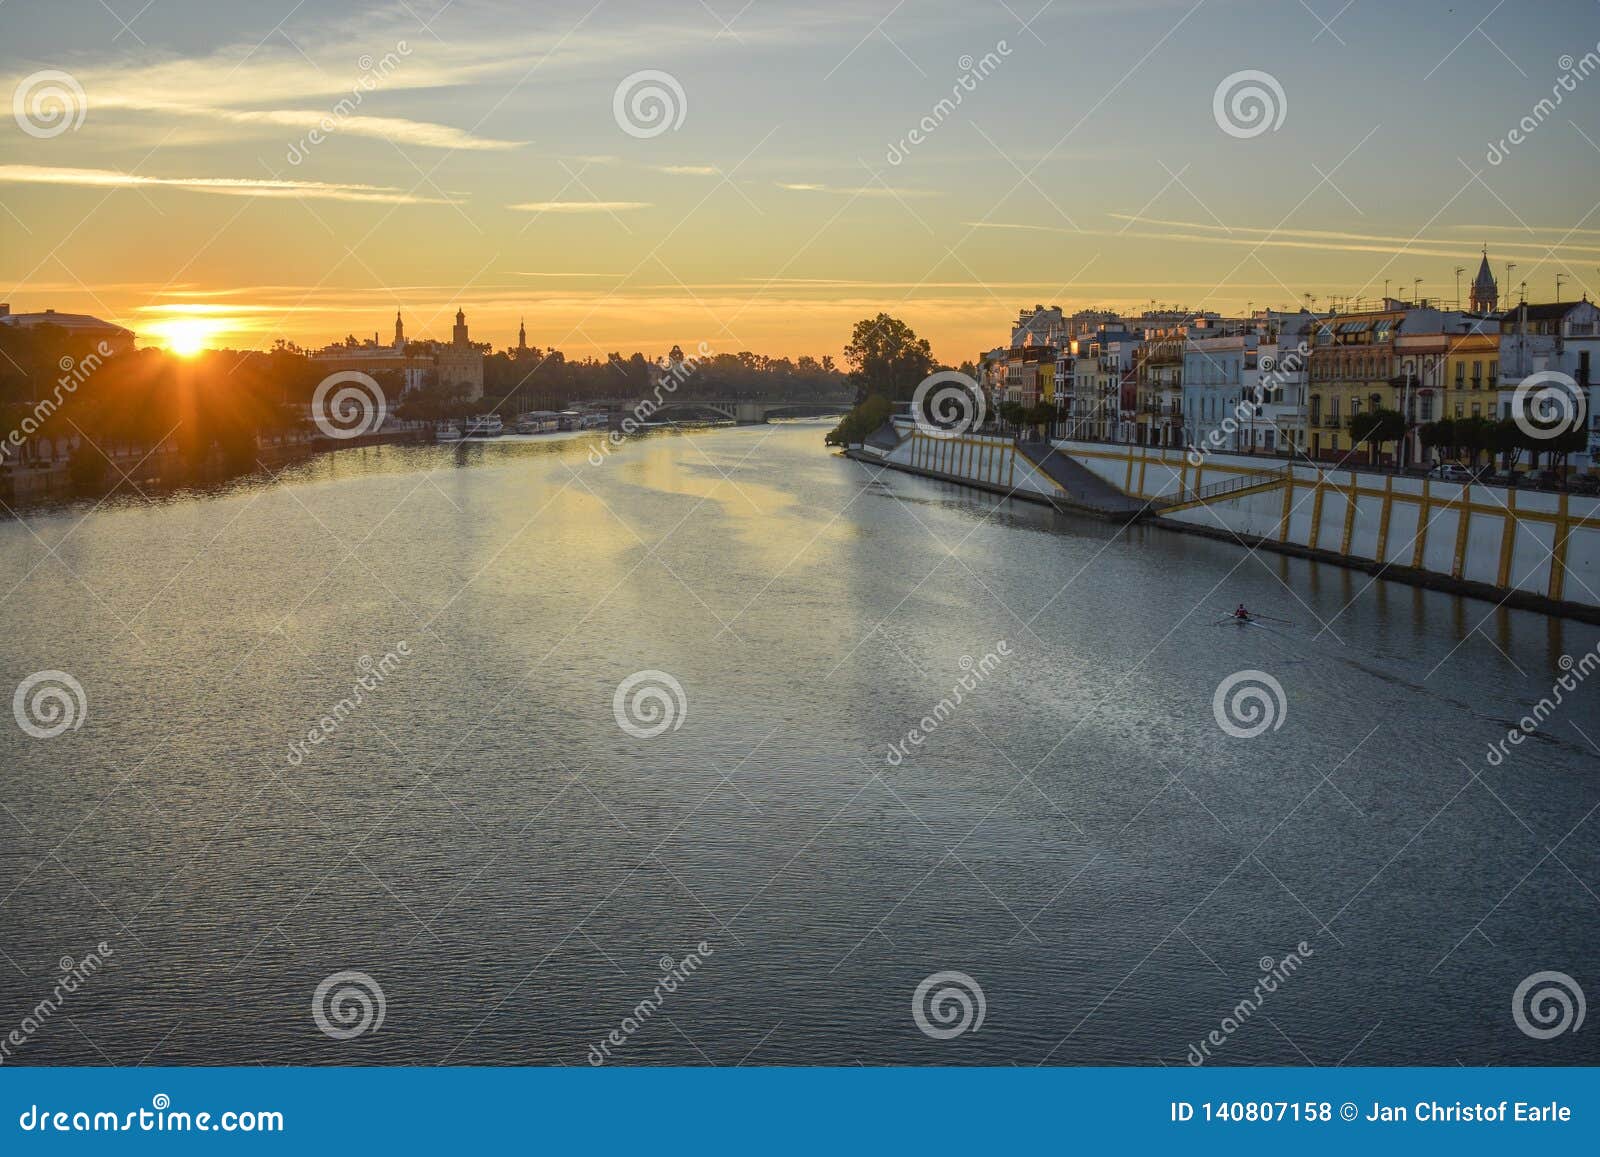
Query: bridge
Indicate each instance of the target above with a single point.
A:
(744, 412)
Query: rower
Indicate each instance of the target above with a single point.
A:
(1241, 613)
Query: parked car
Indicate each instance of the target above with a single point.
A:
(1548, 479)
(1505, 478)
(1451, 472)
(1587, 484)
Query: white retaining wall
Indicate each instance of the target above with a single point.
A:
(1536, 541)
(993, 461)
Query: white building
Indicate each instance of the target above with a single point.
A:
(1219, 373)
(1563, 338)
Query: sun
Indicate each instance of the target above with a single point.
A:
(186, 337)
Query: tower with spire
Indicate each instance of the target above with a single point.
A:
(1485, 293)
(399, 332)
(522, 336)
(460, 364)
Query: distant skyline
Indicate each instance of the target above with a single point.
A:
(485, 155)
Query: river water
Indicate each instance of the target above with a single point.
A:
(516, 871)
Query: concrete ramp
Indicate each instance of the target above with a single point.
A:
(1084, 490)
(1222, 491)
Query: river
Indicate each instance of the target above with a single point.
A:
(517, 864)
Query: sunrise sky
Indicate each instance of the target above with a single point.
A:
(485, 165)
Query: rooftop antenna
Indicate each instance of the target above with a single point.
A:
(1510, 265)
(1560, 277)
(1522, 292)
(1460, 269)
(1386, 290)
(1416, 290)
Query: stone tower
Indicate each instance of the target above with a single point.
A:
(1485, 293)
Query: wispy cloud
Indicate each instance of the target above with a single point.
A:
(689, 170)
(204, 308)
(1329, 240)
(228, 186)
(1564, 230)
(856, 191)
(579, 206)
(397, 129)
(1018, 225)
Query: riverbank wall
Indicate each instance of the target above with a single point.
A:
(168, 469)
(1535, 550)
(1033, 472)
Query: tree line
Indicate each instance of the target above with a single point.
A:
(1465, 439)
(59, 390)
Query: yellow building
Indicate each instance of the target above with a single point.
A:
(1426, 363)
(1352, 369)
(1471, 376)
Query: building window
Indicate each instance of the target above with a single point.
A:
(1460, 409)
(1461, 375)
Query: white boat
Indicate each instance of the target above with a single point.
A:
(485, 426)
(538, 422)
(447, 432)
